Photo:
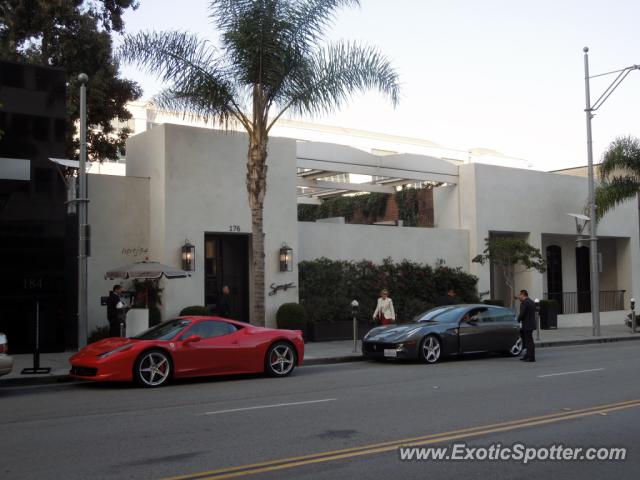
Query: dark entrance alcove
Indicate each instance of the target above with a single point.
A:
(226, 258)
(554, 275)
(583, 279)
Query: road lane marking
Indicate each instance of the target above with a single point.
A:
(287, 463)
(570, 373)
(258, 407)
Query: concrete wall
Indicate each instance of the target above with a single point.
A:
(585, 319)
(119, 218)
(535, 203)
(198, 186)
(446, 207)
(374, 243)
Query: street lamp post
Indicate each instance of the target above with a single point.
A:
(83, 226)
(593, 224)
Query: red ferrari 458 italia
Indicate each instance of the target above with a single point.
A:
(190, 347)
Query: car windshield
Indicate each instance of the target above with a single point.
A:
(165, 331)
(441, 314)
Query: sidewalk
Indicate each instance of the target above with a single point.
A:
(320, 353)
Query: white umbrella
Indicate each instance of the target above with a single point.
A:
(146, 271)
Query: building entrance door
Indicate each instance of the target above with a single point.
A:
(226, 259)
(554, 275)
(583, 279)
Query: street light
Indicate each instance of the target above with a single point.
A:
(593, 239)
(82, 216)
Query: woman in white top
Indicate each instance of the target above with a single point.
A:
(384, 310)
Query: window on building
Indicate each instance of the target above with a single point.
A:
(41, 128)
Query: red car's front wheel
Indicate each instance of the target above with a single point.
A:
(281, 359)
(152, 368)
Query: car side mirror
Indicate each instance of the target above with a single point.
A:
(192, 339)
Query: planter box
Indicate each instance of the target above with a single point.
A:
(327, 331)
(548, 316)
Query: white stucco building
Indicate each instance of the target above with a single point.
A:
(185, 183)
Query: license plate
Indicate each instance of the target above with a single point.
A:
(390, 352)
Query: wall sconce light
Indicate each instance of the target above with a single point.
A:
(286, 258)
(188, 256)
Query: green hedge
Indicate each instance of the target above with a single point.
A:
(327, 287)
(291, 316)
(195, 310)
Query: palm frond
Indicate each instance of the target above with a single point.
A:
(621, 157)
(615, 191)
(312, 18)
(190, 65)
(327, 80)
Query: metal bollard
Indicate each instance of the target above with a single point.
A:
(538, 319)
(633, 316)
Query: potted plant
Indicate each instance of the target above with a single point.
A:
(548, 314)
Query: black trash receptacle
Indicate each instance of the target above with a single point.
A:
(548, 314)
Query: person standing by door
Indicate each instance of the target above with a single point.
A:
(225, 304)
(384, 312)
(527, 319)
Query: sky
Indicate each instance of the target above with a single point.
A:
(507, 75)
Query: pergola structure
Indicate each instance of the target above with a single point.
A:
(329, 170)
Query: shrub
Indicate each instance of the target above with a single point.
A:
(327, 287)
(549, 303)
(291, 316)
(195, 310)
(98, 333)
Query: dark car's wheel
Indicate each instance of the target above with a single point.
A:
(430, 349)
(281, 359)
(152, 368)
(516, 348)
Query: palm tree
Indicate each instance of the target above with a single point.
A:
(273, 59)
(619, 174)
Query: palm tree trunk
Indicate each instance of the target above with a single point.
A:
(256, 187)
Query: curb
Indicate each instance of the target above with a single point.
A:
(329, 360)
(585, 341)
(62, 379)
(34, 381)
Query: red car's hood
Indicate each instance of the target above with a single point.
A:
(106, 345)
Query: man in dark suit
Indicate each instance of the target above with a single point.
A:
(527, 319)
(114, 310)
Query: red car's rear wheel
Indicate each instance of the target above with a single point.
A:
(281, 359)
(152, 368)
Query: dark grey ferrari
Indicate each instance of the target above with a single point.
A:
(446, 331)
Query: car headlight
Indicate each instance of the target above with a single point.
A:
(121, 348)
(368, 334)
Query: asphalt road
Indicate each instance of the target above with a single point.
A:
(576, 396)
